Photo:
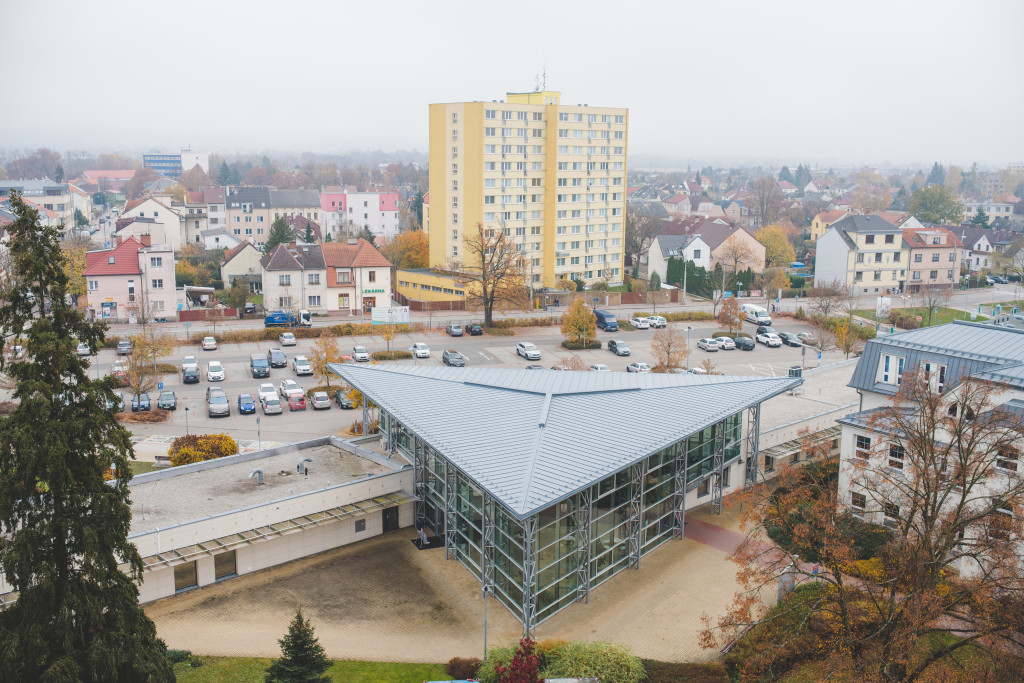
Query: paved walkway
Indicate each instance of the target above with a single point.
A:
(382, 599)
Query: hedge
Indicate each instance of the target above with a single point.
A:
(543, 321)
(673, 672)
(903, 320)
(462, 669)
(576, 346)
(186, 450)
(609, 662)
(500, 331)
(862, 332)
(391, 355)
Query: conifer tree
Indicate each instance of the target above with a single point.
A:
(302, 657)
(280, 233)
(63, 529)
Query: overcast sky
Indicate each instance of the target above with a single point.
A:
(722, 81)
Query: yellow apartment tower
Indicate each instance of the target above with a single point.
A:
(551, 176)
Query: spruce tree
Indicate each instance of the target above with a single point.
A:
(280, 233)
(786, 175)
(63, 529)
(367, 234)
(58, 175)
(302, 657)
(309, 236)
(224, 176)
(980, 219)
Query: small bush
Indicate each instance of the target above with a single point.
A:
(800, 313)
(166, 368)
(576, 346)
(626, 326)
(544, 321)
(462, 669)
(688, 316)
(797, 281)
(673, 672)
(186, 450)
(500, 331)
(176, 656)
(610, 662)
(903, 320)
(723, 333)
(391, 355)
(495, 655)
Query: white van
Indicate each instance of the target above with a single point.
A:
(756, 314)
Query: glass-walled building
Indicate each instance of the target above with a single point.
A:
(533, 485)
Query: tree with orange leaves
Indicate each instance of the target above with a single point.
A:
(933, 567)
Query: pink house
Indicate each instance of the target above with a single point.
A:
(131, 279)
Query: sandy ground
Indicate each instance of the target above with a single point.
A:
(383, 599)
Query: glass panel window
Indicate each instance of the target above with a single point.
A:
(185, 576)
(858, 501)
(863, 449)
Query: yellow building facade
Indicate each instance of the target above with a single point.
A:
(551, 176)
(424, 284)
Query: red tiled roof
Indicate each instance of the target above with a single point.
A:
(126, 259)
(134, 203)
(786, 185)
(677, 198)
(917, 238)
(362, 254)
(831, 216)
(896, 218)
(121, 174)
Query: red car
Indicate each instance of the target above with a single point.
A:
(296, 401)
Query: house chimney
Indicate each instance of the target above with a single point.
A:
(120, 238)
(147, 240)
(353, 241)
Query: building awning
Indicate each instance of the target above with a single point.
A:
(792, 446)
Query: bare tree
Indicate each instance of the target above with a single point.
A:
(669, 349)
(493, 272)
(570, 363)
(823, 342)
(826, 299)
(640, 232)
(933, 297)
(767, 201)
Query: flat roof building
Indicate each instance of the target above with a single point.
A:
(538, 489)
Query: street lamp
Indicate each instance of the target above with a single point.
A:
(259, 438)
(186, 420)
(688, 330)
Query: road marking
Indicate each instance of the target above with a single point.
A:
(486, 357)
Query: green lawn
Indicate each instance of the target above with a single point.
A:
(256, 299)
(246, 669)
(945, 315)
(142, 466)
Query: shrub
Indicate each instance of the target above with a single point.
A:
(672, 672)
(722, 333)
(626, 326)
(500, 331)
(610, 662)
(861, 332)
(903, 320)
(176, 656)
(495, 655)
(576, 346)
(462, 669)
(186, 450)
(391, 355)
(688, 316)
(800, 313)
(797, 281)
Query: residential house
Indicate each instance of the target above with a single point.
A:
(947, 354)
(841, 204)
(812, 187)
(377, 212)
(133, 275)
(298, 225)
(899, 219)
(248, 213)
(687, 247)
(294, 278)
(736, 213)
(194, 212)
(933, 257)
(168, 226)
(219, 238)
(358, 276)
(47, 194)
(976, 253)
(81, 200)
(216, 215)
(243, 262)
(823, 220)
(863, 253)
(716, 233)
(787, 187)
(291, 203)
(992, 209)
(332, 208)
(106, 180)
(677, 205)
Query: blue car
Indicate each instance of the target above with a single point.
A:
(246, 404)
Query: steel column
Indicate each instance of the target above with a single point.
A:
(582, 518)
(679, 492)
(487, 551)
(450, 499)
(718, 468)
(365, 432)
(529, 576)
(419, 460)
(753, 433)
(637, 473)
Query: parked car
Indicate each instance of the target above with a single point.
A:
(302, 366)
(271, 405)
(214, 371)
(744, 343)
(453, 358)
(769, 339)
(119, 369)
(83, 349)
(766, 329)
(140, 402)
(638, 367)
(528, 351)
(359, 353)
(534, 367)
(806, 338)
(259, 366)
(725, 344)
(190, 376)
(266, 390)
(296, 401)
(320, 400)
(276, 358)
(697, 371)
(618, 347)
(249, 307)
(657, 321)
(420, 350)
(790, 339)
(288, 386)
(124, 347)
(246, 404)
(453, 330)
(342, 399)
(640, 323)
(600, 367)
(707, 343)
(474, 330)
(209, 344)
(286, 339)
(117, 405)
(217, 403)
(167, 400)
(190, 362)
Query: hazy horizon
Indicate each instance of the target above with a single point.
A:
(878, 83)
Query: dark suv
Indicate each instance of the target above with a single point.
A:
(453, 358)
(190, 376)
(474, 330)
(276, 358)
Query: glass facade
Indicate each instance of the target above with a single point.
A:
(541, 564)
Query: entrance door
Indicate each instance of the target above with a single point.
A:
(368, 303)
(390, 519)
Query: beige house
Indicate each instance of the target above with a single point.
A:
(863, 253)
(168, 227)
(248, 214)
(243, 261)
(933, 257)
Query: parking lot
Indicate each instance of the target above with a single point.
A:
(485, 350)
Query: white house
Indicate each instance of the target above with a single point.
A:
(169, 226)
(688, 247)
(132, 278)
(295, 278)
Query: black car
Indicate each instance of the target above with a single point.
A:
(342, 399)
(277, 358)
(474, 330)
(190, 376)
(790, 339)
(766, 329)
(453, 358)
(745, 343)
(250, 307)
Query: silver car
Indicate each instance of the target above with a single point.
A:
(271, 405)
(218, 404)
(320, 400)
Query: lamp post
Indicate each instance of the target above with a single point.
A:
(688, 330)
(186, 420)
(486, 591)
(259, 438)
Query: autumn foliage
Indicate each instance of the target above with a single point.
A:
(192, 448)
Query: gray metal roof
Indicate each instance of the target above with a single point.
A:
(533, 437)
(966, 348)
(865, 225)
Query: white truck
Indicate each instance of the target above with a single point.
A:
(756, 314)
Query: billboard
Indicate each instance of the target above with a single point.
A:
(389, 314)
